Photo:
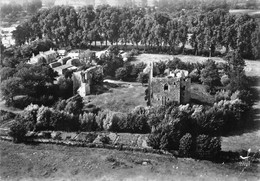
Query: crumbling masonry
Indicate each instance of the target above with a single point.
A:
(174, 87)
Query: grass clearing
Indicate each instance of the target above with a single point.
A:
(55, 162)
(122, 99)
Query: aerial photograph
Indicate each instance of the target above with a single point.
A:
(130, 90)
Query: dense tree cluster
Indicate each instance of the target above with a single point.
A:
(34, 82)
(204, 30)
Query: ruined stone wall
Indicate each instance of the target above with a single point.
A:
(185, 90)
(165, 90)
(82, 80)
(168, 89)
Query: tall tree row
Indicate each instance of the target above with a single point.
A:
(204, 31)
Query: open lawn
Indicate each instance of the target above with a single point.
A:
(123, 98)
(55, 162)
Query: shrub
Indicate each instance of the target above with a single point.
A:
(29, 116)
(209, 75)
(222, 95)
(121, 73)
(43, 118)
(90, 137)
(101, 117)
(65, 87)
(5, 115)
(225, 80)
(97, 78)
(74, 105)
(137, 123)
(195, 76)
(139, 110)
(186, 145)
(142, 78)
(207, 147)
(87, 122)
(166, 136)
(115, 121)
(60, 105)
(154, 140)
(18, 131)
(134, 52)
(105, 140)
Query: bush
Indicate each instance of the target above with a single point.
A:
(137, 123)
(5, 115)
(74, 105)
(121, 73)
(134, 52)
(225, 80)
(105, 140)
(166, 136)
(18, 131)
(90, 137)
(101, 117)
(97, 78)
(60, 105)
(65, 87)
(43, 118)
(222, 95)
(186, 145)
(207, 147)
(115, 121)
(195, 76)
(87, 122)
(209, 75)
(143, 78)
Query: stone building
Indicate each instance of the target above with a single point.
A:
(174, 87)
(82, 80)
(44, 57)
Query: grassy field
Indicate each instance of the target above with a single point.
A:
(53, 162)
(123, 98)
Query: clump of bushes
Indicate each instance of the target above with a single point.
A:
(88, 122)
(120, 122)
(207, 147)
(6, 116)
(105, 139)
(186, 145)
(18, 131)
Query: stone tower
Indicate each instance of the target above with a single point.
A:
(174, 87)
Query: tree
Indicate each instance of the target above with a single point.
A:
(11, 88)
(186, 145)
(18, 131)
(65, 87)
(97, 78)
(142, 77)
(209, 75)
(121, 73)
(6, 72)
(236, 71)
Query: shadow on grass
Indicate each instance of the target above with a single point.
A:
(251, 121)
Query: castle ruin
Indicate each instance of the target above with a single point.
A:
(175, 87)
(82, 80)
